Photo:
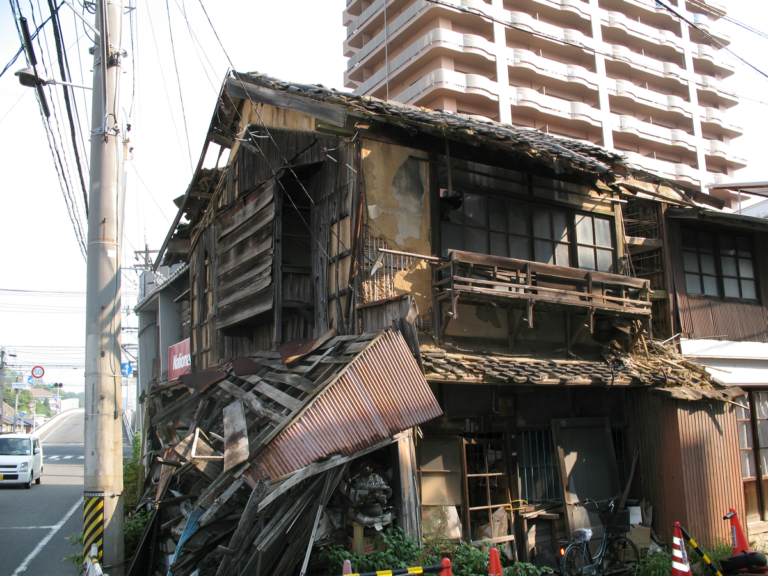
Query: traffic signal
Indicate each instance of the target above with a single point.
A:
(55, 384)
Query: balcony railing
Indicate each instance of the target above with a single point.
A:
(482, 279)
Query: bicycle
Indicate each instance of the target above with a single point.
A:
(616, 555)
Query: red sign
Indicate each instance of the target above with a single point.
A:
(179, 359)
(38, 372)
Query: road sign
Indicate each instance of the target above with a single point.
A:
(22, 414)
(55, 397)
(38, 372)
(31, 405)
(31, 380)
(126, 368)
(19, 385)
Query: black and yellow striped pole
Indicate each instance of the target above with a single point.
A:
(93, 522)
(700, 552)
(444, 569)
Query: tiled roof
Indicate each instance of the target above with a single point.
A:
(676, 377)
(543, 147)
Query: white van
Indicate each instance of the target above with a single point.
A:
(21, 459)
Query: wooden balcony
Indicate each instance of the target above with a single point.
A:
(507, 282)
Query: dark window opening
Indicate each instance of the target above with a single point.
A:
(718, 265)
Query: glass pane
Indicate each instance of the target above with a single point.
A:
(727, 245)
(562, 255)
(603, 233)
(518, 248)
(543, 251)
(498, 244)
(450, 208)
(762, 433)
(605, 260)
(761, 405)
(729, 266)
(708, 264)
(706, 243)
(693, 283)
(541, 225)
(518, 218)
(476, 240)
(745, 268)
(474, 210)
(689, 238)
(748, 464)
(497, 214)
(450, 238)
(691, 260)
(560, 226)
(586, 258)
(584, 231)
(764, 458)
(743, 247)
(742, 412)
(710, 286)
(731, 286)
(748, 289)
(745, 434)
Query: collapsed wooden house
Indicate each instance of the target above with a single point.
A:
(517, 271)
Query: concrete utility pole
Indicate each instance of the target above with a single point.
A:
(103, 503)
(2, 387)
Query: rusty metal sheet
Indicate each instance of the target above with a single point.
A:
(380, 393)
(201, 381)
(295, 349)
(243, 366)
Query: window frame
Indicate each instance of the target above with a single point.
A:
(531, 206)
(719, 275)
(760, 478)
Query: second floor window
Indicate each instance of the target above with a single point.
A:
(486, 224)
(719, 265)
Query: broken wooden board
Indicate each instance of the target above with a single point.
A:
(236, 446)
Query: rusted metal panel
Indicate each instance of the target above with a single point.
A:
(378, 394)
(711, 466)
(689, 463)
(726, 319)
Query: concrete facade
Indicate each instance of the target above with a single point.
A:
(624, 74)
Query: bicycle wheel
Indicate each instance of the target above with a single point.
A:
(573, 560)
(621, 557)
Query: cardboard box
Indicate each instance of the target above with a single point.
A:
(641, 536)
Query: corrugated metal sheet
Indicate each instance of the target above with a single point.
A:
(689, 463)
(740, 321)
(378, 394)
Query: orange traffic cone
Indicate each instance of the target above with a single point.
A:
(739, 540)
(494, 564)
(680, 566)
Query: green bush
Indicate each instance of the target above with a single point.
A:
(656, 564)
(132, 480)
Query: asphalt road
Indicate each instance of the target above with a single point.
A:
(35, 524)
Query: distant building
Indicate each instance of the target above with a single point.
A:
(625, 74)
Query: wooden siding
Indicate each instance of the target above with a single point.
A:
(689, 468)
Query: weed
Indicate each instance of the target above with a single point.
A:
(656, 564)
(76, 558)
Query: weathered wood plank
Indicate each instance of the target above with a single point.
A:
(245, 228)
(243, 527)
(258, 242)
(261, 302)
(225, 287)
(271, 392)
(257, 283)
(292, 380)
(209, 514)
(236, 447)
(250, 400)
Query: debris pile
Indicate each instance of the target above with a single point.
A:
(243, 458)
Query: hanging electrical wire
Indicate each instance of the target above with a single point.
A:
(178, 81)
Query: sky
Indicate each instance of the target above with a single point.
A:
(42, 272)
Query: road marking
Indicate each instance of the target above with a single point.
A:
(54, 457)
(57, 426)
(32, 555)
(81, 457)
(26, 527)
(67, 457)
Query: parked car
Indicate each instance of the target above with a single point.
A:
(21, 459)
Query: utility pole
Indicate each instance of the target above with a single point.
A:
(103, 501)
(2, 387)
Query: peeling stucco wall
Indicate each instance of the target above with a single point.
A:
(396, 185)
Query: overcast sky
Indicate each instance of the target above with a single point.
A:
(298, 40)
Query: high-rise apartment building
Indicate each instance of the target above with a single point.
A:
(625, 74)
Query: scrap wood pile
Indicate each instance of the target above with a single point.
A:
(243, 458)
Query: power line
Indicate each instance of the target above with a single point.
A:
(178, 81)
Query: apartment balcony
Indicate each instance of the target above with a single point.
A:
(475, 85)
(710, 27)
(557, 107)
(646, 10)
(567, 77)
(715, 121)
(709, 61)
(570, 13)
(719, 154)
(620, 29)
(674, 140)
(644, 66)
(667, 106)
(711, 89)
(434, 41)
(673, 171)
(481, 279)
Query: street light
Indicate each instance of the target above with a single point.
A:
(28, 77)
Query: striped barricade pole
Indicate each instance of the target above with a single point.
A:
(92, 565)
(444, 569)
